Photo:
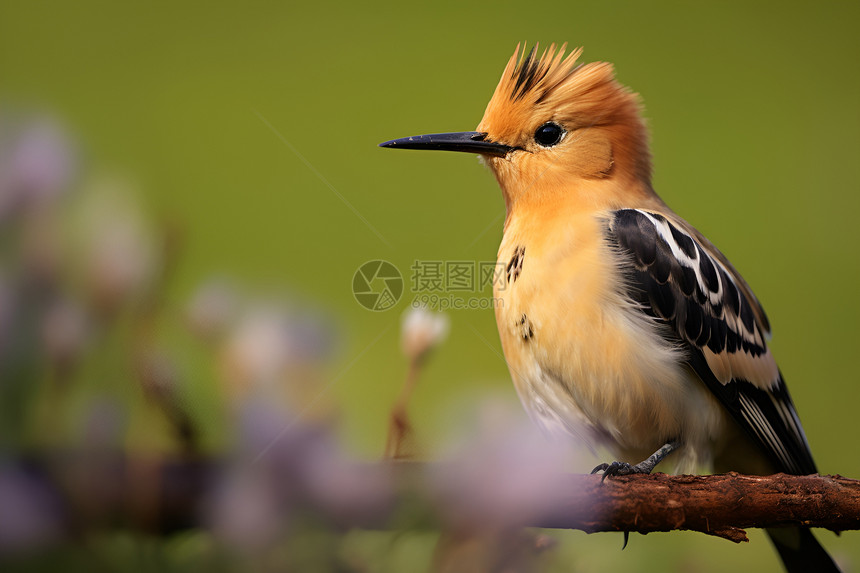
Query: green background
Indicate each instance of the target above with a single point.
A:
(755, 126)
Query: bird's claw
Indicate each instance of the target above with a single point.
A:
(617, 469)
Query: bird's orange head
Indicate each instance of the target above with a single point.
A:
(556, 127)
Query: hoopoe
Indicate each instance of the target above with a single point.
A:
(621, 324)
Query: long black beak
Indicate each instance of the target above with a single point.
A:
(467, 141)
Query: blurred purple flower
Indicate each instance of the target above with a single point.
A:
(7, 309)
(66, 332)
(270, 436)
(311, 337)
(104, 422)
(42, 162)
(262, 426)
(30, 514)
(503, 474)
(212, 309)
(244, 512)
(274, 353)
(310, 471)
(36, 164)
(249, 509)
(346, 490)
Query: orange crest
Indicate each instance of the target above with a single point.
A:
(585, 99)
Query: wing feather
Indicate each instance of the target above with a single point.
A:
(677, 276)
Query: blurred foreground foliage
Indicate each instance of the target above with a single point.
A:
(94, 409)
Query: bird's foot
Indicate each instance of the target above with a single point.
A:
(643, 467)
(621, 469)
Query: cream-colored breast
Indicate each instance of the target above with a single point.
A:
(584, 360)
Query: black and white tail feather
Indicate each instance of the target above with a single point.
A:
(678, 277)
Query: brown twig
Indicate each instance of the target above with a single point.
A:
(400, 442)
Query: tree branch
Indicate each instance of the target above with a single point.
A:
(162, 496)
(722, 505)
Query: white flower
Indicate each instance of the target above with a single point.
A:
(421, 330)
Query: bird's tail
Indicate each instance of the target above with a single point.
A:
(800, 551)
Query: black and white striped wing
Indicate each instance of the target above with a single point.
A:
(688, 284)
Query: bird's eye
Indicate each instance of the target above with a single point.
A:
(549, 134)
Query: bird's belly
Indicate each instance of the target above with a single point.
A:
(586, 362)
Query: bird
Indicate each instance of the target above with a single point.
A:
(623, 327)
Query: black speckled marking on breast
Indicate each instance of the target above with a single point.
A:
(515, 266)
(525, 327)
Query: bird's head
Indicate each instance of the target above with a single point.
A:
(552, 125)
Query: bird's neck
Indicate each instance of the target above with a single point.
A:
(577, 196)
